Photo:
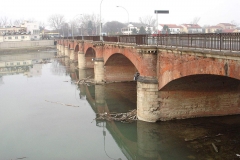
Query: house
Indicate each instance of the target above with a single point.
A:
(15, 37)
(33, 28)
(174, 29)
(229, 30)
(227, 25)
(213, 29)
(149, 30)
(129, 29)
(49, 34)
(191, 28)
(12, 33)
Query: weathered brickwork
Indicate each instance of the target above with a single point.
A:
(173, 83)
(176, 64)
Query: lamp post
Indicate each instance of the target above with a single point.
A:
(126, 11)
(73, 23)
(62, 31)
(100, 28)
(159, 12)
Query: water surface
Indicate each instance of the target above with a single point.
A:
(39, 120)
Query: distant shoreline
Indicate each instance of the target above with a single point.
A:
(27, 49)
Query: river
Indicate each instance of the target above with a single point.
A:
(45, 115)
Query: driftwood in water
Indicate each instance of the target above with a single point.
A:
(215, 147)
(85, 81)
(62, 103)
(121, 117)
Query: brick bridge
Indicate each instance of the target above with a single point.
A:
(181, 76)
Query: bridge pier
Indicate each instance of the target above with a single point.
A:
(147, 99)
(81, 60)
(100, 98)
(71, 51)
(145, 136)
(63, 50)
(66, 51)
(99, 70)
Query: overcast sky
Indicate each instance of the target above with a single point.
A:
(181, 11)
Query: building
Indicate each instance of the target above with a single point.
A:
(49, 34)
(227, 26)
(12, 33)
(129, 29)
(15, 37)
(229, 31)
(191, 28)
(173, 28)
(33, 29)
(213, 29)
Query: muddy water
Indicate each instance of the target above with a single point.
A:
(44, 114)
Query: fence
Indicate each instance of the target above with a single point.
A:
(213, 41)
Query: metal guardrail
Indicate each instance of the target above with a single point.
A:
(213, 41)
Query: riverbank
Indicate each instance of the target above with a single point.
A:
(27, 50)
(26, 46)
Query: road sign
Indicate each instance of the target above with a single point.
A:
(161, 11)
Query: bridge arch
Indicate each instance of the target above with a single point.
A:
(90, 54)
(76, 48)
(174, 66)
(118, 67)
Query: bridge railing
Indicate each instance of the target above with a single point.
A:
(213, 41)
(221, 41)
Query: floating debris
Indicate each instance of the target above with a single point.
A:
(62, 103)
(215, 147)
(120, 117)
(22, 158)
(87, 81)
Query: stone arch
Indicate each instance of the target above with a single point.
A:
(200, 95)
(173, 66)
(90, 54)
(119, 68)
(76, 48)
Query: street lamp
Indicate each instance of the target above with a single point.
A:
(126, 11)
(159, 12)
(73, 23)
(100, 28)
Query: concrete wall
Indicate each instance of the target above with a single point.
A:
(26, 44)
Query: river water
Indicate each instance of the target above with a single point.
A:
(45, 115)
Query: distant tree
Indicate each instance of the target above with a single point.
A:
(142, 30)
(83, 20)
(113, 27)
(4, 21)
(149, 31)
(18, 22)
(218, 31)
(147, 21)
(234, 23)
(196, 20)
(41, 26)
(165, 29)
(134, 31)
(90, 28)
(56, 21)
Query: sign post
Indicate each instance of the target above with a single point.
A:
(160, 12)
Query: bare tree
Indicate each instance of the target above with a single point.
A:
(83, 23)
(234, 23)
(196, 20)
(56, 21)
(18, 22)
(113, 27)
(4, 21)
(147, 21)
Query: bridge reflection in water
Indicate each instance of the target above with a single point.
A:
(184, 139)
